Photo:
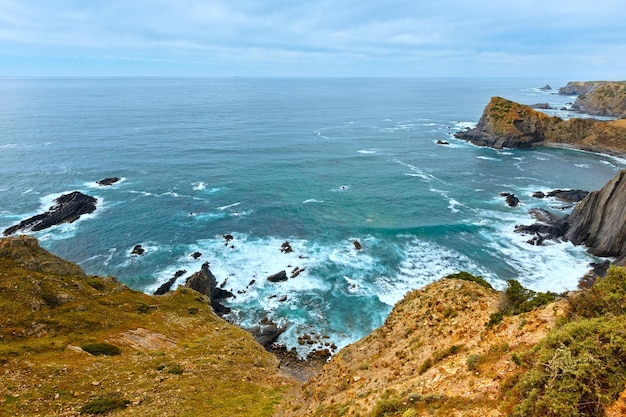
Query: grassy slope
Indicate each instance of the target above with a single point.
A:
(185, 360)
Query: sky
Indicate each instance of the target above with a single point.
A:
(570, 39)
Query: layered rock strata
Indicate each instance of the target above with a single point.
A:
(506, 124)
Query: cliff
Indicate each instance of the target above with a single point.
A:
(599, 220)
(73, 344)
(603, 98)
(506, 124)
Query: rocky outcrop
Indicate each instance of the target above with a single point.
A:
(599, 220)
(205, 283)
(506, 124)
(603, 98)
(67, 209)
(267, 332)
(108, 181)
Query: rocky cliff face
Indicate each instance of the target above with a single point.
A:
(603, 98)
(506, 124)
(599, 220)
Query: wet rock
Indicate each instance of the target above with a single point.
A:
(196, 255)
(541, 106)
(267, 332)
(278, 277)
(138, 250)
(205, 283)
(569, 196)
(66, 209)
(296, 271)
(167, 286)
(511, 200)
(357, 245)
(286, 248)
(228, 238)
(108, 181)
(546, 88)
(442, 142)
(539, 194)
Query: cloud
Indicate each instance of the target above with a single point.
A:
(403, 36)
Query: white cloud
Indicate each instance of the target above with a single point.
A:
(341, 34)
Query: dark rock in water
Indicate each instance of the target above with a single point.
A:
(357, 245)
(138, 250)
(108, 181)
(205, 283)
(167, 286)
(67, 209)
(296, 271)
(546, 88)
(541, 106)
(511, 200)
(539, 194)
(442, 142)
(569, 196)
(286, 247)
(228, 238)
(278, 277)
(282, 299)
(267, 332)
(196, 255)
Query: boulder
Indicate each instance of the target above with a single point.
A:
(138, 250)
(278, 277)
(511, 200)
(67, 209)
(357, 245)
(286, 247)
(267, 332)
(196, 255)
(108, 181)
(539, 194)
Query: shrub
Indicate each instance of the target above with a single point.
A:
(466, 276)
(101, 349)
(607, 296)
(472, 362)
(578, 370)
(516, 300)
(104, 405)
(96, 283)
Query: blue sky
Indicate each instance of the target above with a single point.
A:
(569, 39)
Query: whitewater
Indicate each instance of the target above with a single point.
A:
(319, 163)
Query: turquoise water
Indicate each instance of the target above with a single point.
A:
(317, 162)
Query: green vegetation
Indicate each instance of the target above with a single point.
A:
(104, 405)
(105, 349)
(517, 300)
(466, 276)
(580, 367)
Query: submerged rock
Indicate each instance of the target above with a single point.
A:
(138, 250)
(67, 209)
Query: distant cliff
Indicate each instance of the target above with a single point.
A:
(506, 124)
(603, 98)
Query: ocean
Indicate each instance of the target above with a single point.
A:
(319, 163)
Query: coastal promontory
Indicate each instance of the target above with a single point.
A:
(506, 124)
(602, 98)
